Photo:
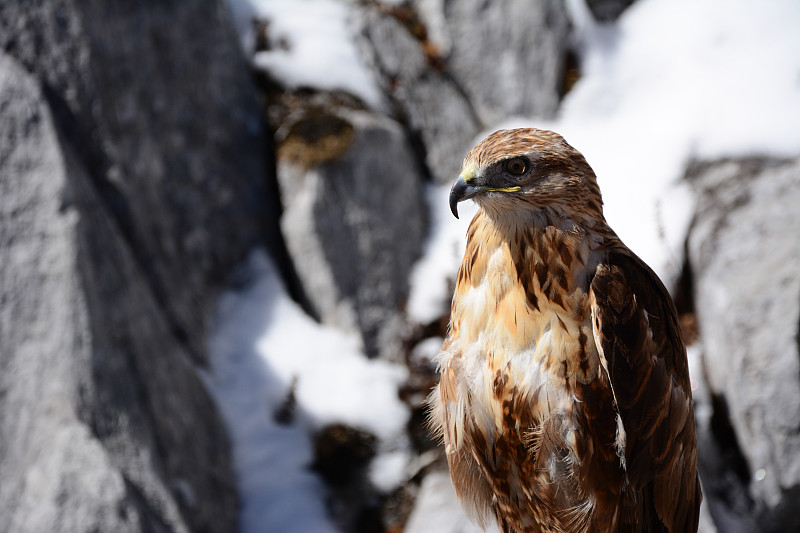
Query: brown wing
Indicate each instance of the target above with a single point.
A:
(636, 331)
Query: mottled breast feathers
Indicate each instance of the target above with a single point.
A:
(564, 401)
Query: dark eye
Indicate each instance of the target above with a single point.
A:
(516, 166)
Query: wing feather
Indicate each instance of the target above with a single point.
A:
(636, 330)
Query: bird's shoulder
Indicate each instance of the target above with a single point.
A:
(637, 334)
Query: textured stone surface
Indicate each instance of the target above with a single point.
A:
(455, 68)
(46, 453)
(131, 182)
(411, 69)
(508, 55)
(157, 105)
(105, 423)
(354, 218)
(744, 248)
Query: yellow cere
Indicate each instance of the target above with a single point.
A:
(468, 173)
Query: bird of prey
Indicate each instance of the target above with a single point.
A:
(564, 399)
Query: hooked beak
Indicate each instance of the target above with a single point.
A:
(460, 192)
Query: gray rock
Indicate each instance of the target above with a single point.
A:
(354, 218)
(156, 102)
(744, 248)
(131, 183)
(508, 55)
(105, 424)
(427, 99)
(455, 68)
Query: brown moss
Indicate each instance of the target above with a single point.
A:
(317, 137)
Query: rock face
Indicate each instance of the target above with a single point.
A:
(156, 111)
(744, 248)
(354, 218)
(447, 89)
(517, 69)
(341, 162)
(131, 180)
(411, 70)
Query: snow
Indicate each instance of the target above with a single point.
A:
(263, 345)
(311, 45)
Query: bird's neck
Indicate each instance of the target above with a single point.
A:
(519, 276)
(544, 236)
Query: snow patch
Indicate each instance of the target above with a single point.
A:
(310, 45)
(277, 376)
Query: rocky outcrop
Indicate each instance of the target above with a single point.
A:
(439, 116)
(339, 161)
(518, 68)
(445, 88)
(354, 217)
(156, 103)
(744, 248)
(132, 182)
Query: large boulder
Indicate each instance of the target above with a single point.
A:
(744, 251)
(509, 56)
(156, 102)
(434, 108)
(106, 425)
(131, 183)
(354, 217)
(452, 69)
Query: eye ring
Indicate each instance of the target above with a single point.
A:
(516, 166)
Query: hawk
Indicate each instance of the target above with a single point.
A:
(564, 398)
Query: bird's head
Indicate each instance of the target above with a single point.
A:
(512, 171)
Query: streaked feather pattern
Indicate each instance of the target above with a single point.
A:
(564, 401)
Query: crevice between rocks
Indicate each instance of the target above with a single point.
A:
(275, 240)
(399, 114)
(683, 298)
(725, 436)
(413, 23)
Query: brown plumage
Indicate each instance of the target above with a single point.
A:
(564, 401)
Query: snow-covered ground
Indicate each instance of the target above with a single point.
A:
(671, 81)
(268, 355)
